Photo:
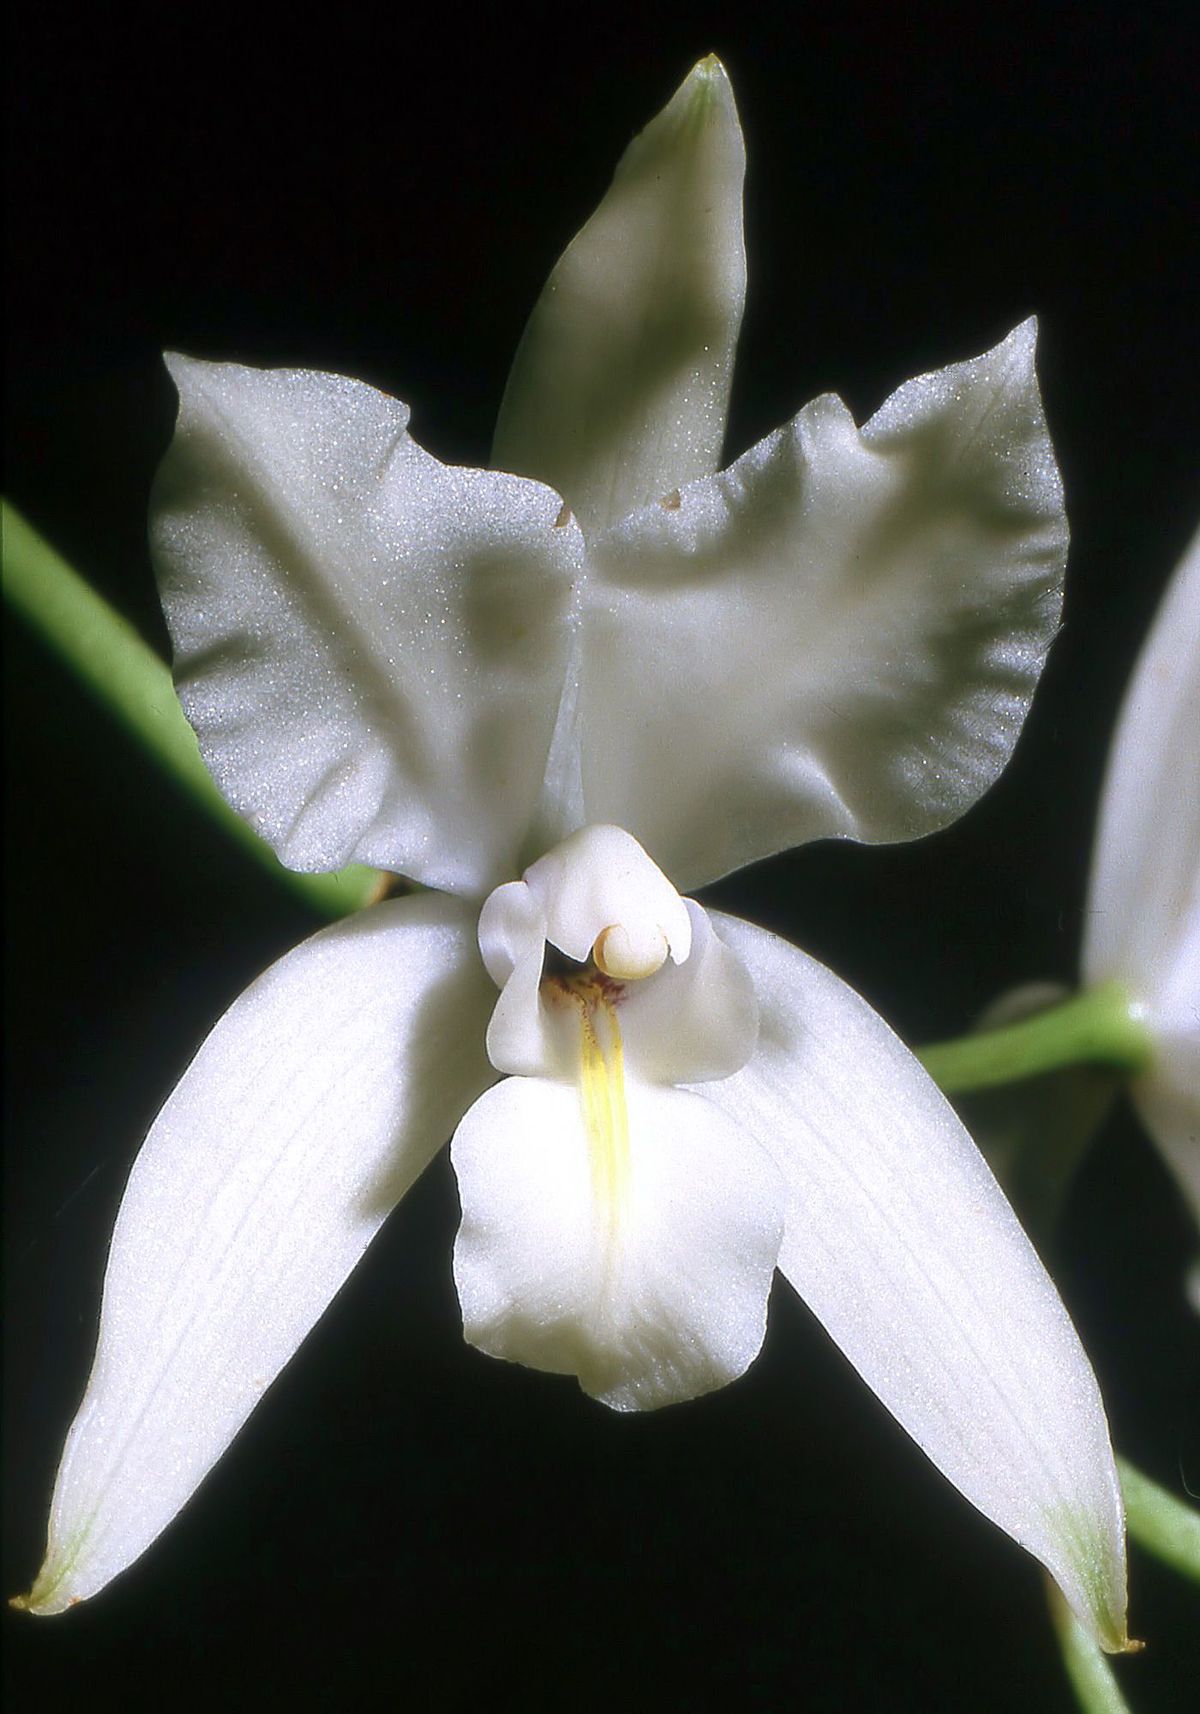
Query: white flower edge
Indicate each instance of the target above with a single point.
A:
(1143, 909)
(305, 1116)
(902, 1244)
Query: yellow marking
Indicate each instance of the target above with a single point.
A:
(605, 1115)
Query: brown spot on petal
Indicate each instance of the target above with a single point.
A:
(563, 518)
(671, 502)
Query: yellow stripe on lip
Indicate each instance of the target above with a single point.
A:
(605, 1114)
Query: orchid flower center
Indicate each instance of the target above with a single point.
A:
(593, 997)
(623, 952)
(594, 991)
(610, 981)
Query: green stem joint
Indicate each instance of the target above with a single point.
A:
(1098, 1027)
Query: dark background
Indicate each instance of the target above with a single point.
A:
(404, 1520)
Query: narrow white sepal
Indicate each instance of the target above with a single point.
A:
(620, 386)
(840, 634)
(901, 1242)
(302, 1121)
(371, 645)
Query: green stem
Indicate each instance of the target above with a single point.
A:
(1160, 1523)
(106, 653)
(1092, 1678)
(1097, 1027)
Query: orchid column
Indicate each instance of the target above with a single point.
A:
(559, 695)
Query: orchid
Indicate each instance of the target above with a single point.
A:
(1143, 913)
(559, 695)
(1136, 1018)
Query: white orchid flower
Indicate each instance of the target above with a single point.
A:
(1143, 913)
(511, 688)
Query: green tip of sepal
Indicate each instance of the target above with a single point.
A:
(41, 1604)
(50, 1593)
(708, 81)
(1090, 1574)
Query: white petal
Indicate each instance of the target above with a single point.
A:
(371, 645)
(900, 1241)
(663, 1301)
(304, 1118)
(838, 635)
(620, 386)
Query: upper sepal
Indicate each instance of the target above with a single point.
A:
(620, 386)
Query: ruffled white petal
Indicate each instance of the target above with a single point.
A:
(656, 1299)
(371, 645)
(1143, 916)
(900, 1241)
(304, 1118)
(620, 386)
(838, 635)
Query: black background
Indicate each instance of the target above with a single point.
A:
(383, 195)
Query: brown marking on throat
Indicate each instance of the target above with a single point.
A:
(582, 984)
